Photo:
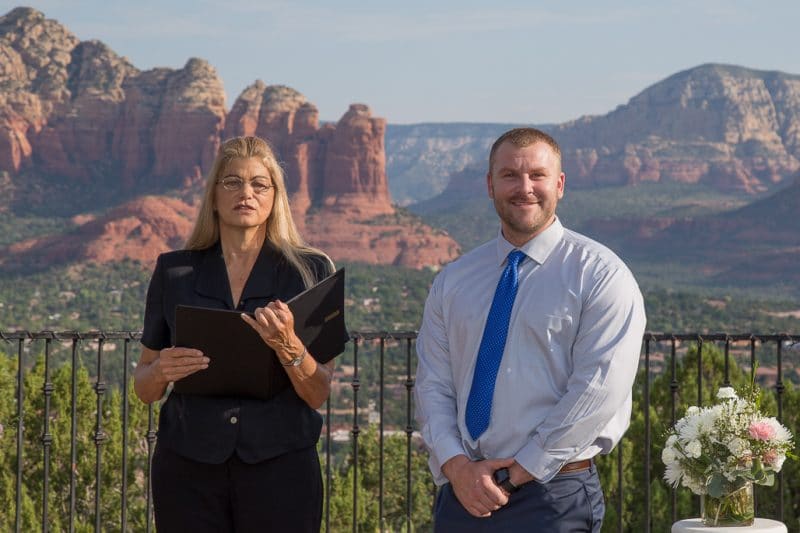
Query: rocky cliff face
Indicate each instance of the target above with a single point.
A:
(138, 230)
(77, 118)
(77, 110)
(339, 167)
(422, 158)
(729, 127)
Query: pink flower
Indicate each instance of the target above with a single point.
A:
(761, 430)
(769, 457)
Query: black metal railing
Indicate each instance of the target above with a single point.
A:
(52, 380)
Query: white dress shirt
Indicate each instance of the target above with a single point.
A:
(563, 390)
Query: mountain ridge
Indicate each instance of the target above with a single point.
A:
(82, 123)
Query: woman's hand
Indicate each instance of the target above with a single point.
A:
(275, 324)
(157, 368)
(176, 363)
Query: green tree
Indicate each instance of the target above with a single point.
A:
(395, 501)
(60, 455)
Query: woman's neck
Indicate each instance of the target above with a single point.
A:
(240, 243)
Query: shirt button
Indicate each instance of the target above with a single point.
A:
(234, 420)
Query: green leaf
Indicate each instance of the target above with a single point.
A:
(716, 486)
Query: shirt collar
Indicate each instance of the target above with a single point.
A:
(212, 278)
(538, 248)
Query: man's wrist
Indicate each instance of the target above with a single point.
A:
(518, 475)
(502, 479)
(454, 463)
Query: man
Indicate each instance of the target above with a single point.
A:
(556, 345)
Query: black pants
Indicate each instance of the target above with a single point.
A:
(280, 494)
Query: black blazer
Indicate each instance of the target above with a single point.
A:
(211, 429)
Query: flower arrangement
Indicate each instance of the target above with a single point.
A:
(719, 452)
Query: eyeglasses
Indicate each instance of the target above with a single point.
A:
(235, 183)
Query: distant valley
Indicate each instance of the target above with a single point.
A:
(695, 182)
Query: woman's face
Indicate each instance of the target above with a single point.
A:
(245, 194)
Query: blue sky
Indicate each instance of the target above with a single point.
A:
(456, 60)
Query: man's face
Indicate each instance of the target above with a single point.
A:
(526, 185)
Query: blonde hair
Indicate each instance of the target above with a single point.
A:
(280, 231)
(522, 137)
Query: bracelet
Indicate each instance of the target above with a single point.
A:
(296, 361)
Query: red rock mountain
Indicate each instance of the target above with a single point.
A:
(77, 119)
(729, 127)
(138, 230)
(79, 111)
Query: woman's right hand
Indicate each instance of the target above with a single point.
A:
(176, 363)
(157, 368)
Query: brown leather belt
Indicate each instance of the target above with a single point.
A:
(577, 466)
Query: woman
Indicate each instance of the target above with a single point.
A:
(235, 463)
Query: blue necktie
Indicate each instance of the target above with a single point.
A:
(493, 343)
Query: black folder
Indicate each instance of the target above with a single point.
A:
(241, 362)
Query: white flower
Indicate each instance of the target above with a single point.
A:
(695, 426)
(668, 456)
(781, 433)
(708, 419)
(673, 473)
(738, 446)
(694, 449)
(692, 485)
(691, 429)
(726, 393)
(724, 440)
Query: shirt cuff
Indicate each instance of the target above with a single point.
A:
(440, 454)
(540, 463)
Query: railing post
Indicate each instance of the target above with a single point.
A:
(74, 433)
(647, 440)
(409, 432)
(620, 488)
(151, 439)
(699, 370)
(699, 388)
(47, 438)
(328, 476)
(20, 432)
(779, 389)
(380, 431)
(727, 377)
(355, 384)
(673, 388)
(99, 435)
(124, 496)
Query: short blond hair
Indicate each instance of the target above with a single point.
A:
(522, 137)
(281, 230)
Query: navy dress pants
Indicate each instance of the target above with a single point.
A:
(569, 503)
(282, 494)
